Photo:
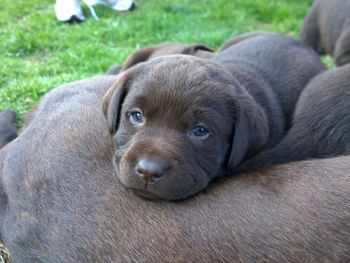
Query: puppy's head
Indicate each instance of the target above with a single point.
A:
(178, 122)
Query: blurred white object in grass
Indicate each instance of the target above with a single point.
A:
(70, 10)
(124, 5)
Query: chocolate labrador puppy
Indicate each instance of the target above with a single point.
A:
(327, 29)
(60, 201)
(7, 127)
(180, 121)
(321, 124)
(147, 53)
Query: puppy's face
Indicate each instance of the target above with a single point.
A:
(173, 122)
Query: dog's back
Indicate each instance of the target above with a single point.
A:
(64, 203)
(326, 29)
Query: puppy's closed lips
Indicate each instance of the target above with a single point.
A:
(145, 194)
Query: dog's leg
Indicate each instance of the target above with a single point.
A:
(342, 48)
(7, 127)
(288, 150)
(310, 32)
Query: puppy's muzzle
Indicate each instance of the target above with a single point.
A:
(150, 171)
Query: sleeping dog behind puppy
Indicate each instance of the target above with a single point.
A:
(180, 121)
(321, 123)
(147, 53)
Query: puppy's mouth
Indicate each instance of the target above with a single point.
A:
(145, 194)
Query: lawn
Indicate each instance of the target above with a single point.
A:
(39, 53)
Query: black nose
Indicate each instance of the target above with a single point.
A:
(150, 171)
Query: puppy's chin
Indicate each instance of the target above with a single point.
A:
(145, 194)
(165, 189)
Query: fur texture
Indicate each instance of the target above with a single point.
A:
(321, 123)
(202, 117)
(61, 202)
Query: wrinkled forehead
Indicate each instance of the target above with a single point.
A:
(180, 87)
(183, 77)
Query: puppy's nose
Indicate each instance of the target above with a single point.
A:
(150, 171)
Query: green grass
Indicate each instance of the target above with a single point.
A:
(39, 53)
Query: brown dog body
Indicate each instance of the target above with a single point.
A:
(61, 201)
(327, 29)
(321, 123)
(180, 121)
(147, 53)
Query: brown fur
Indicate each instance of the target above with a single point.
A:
(60, 201)
(147, 53)
(326, 29)
(321, 123)
(244, 96)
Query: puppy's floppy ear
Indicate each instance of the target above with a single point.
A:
(251, 130)
(192, 49)
(139, 56)
(114, 98)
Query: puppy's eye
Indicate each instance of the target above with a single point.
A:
(136, 117)
(200, 132)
